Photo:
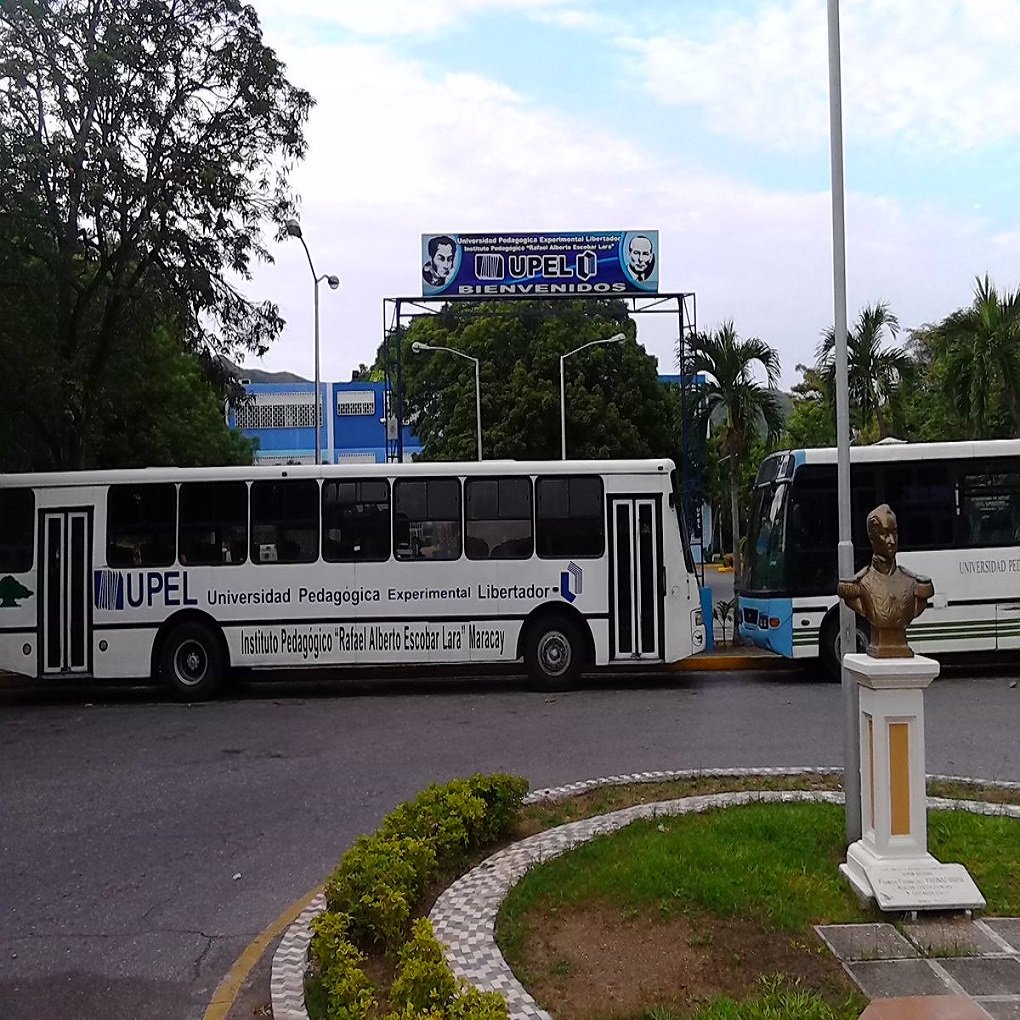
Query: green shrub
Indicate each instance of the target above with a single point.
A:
(336, 968)
(503, 795)
(426, 989)
(377, 884)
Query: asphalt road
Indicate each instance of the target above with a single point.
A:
(144, 844)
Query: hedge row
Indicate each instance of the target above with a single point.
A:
(380, 881)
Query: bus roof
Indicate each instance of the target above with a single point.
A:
(266, 471)
(882, 452)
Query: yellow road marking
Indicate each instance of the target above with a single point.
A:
(226, 992)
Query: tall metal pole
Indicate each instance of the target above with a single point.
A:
(318, 395)
(563, 412)
(478, 406)
(845, 556)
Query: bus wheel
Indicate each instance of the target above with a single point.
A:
(554, 652)
(829, 650)
(191, 662)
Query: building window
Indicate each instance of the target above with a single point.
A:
(352, 402)
(497, 519)
(285, 521)
(285, 411)
(213, 523)
(355, 520)
(17, 535)
(426, 519)
(569, 516)
(141, 525)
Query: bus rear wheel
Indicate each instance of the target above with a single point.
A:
(829, 650)
(554, 653)
(191, 662)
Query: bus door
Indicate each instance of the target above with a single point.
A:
(635, 580)
(65, 607)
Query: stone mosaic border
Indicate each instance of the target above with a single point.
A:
(465, 913)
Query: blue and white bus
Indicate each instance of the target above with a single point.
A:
(958, 510)
(184, 574)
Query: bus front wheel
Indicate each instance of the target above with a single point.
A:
(830, 652)
(554, 652)
(191, 662)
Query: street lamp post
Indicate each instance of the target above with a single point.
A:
(294, 230)
(419, 347)
(615, 339)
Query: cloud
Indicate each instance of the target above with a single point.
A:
(388, 18)
(937, 76)
(426, 150)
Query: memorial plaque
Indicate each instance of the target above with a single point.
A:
(923, 885)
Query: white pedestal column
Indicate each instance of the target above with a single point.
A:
(890, 863)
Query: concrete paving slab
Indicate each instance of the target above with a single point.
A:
(891, 979)
(982, 975)
(1002, 1010)
(950, 937)
(854, 942)
(941, 1007)
(1007, 928)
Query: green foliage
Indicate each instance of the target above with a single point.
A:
(377, 883)
(145, 145)
(345, 992)
(426, 989)
(735, 406)
(722, 612)
(615, 405)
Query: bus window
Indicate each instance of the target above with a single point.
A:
(355, 521)
(569, 516)
(141, 525)
(990, 509)
(497, 519)
(17, 530)
(285, 521)
(923, 497)
(213, 523)
(426, 519)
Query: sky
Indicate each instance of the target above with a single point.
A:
(706, 120)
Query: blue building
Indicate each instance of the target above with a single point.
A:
(353, 430)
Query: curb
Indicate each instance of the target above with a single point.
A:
(709, 661)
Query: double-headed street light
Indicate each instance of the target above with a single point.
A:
(419, 347)
(563, 389)
(294, 230)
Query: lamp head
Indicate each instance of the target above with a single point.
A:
(333, 281)
(293, 228)
(418, 347)
(616, 339)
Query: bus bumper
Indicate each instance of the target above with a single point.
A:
(767, 623)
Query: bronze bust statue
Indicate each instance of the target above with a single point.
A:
(887, 596)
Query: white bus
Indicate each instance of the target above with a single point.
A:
(184, 574)
(957, 506)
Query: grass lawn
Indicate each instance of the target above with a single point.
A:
(695, 915)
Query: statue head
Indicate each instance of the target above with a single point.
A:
(882, 532)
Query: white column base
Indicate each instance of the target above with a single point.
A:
(912, 883)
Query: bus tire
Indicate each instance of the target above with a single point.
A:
(554, 652)
(191, 662)
(829, 642)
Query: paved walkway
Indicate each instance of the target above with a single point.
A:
(977, 961)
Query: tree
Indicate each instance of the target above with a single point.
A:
(145, 142)
(812, 419)
(744, 406)
(874, 373)
(977, 351)
(615, 405)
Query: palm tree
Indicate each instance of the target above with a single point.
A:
(732, 392)
(980, 349)
(874, 373)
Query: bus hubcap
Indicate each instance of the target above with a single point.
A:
(191, 663)
(554, 653)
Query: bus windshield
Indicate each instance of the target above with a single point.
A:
(766, 539)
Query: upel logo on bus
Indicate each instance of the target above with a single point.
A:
(112, 589)
(571, 581)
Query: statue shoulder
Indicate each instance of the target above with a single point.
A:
(850, 588)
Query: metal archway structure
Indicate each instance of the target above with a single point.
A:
(399, 312)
